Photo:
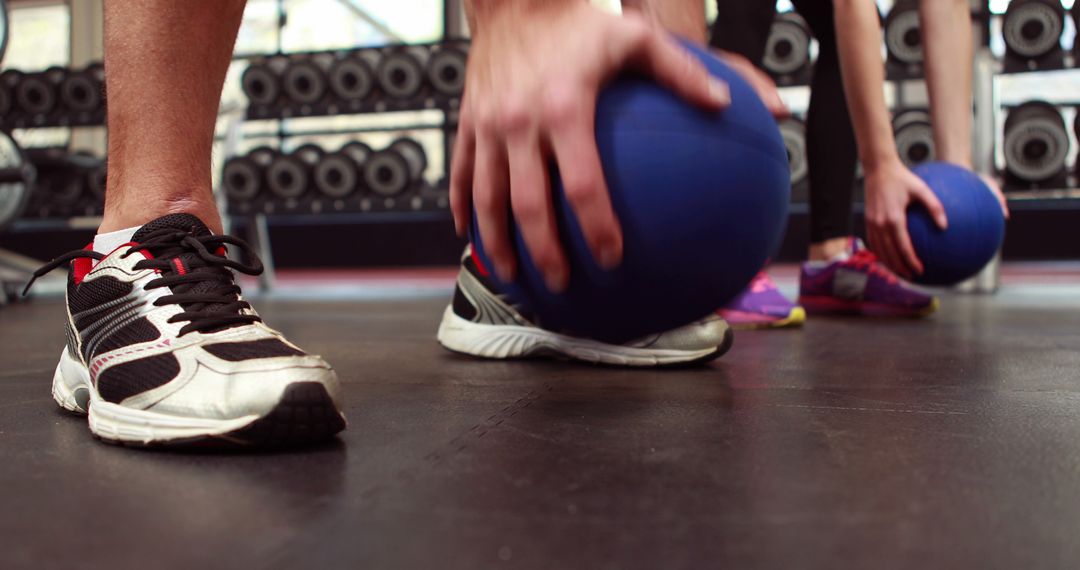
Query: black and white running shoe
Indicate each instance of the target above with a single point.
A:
(162, 349)
(480, 322)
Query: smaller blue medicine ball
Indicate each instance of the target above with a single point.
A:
(975, 231)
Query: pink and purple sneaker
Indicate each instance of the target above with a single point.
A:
(858, 284)
(762, 306)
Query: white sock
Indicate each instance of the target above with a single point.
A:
(107, 242)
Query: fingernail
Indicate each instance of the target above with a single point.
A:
(609, 257)
(556, 281)
(719, 92)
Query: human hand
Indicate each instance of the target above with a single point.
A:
(535, 71)
(890, 189)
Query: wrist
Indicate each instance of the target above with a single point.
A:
(961, 160)
(875, 163)
(483, 14)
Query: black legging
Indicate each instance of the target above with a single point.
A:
(742, 26)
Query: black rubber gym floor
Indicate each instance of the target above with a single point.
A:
(951, 442)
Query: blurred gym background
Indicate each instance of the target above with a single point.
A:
(337, 120)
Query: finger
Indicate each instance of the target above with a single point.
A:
(905, 249)
(573, 141)
(461, 175)
(530, 199)
(762, 84)
(490, 200)
(890, 255)
(673, 66)
(996, 189)
(933, 205)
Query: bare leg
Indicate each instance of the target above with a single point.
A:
(165, 65)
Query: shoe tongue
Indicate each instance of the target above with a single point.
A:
(184, 222)
(855, 245)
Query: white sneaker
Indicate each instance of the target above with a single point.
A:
(482, 323)
(162, 349)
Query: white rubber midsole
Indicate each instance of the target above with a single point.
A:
(73, 391)
(511, 341)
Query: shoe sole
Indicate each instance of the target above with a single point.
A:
(820, 305)
(796, 318)
(503, 342)
(305, 414)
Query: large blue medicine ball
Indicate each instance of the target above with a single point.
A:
(975, 231)
(702, 199)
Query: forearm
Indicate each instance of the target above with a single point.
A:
(684, 18)
(858, 37)
(949, 53)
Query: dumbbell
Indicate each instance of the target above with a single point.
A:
(261, 81)
(400, 73)
(793, 131)
(9, 80)
(1032, 33)
(446, 70)
(338, 174)
(787, 50)
(304, 80)
(36, 93)
(17, 178)
(903, 37)
(96, 179)
(81, 91)
(5, 100)
(289, 175)
(914, 136)
(59, 186)
(1036, 142)
(352, 77)
(84, 165)
(241, 178)
(394, 169)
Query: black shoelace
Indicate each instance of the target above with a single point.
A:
(204, 288)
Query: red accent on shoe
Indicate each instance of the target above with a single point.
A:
(179, 266)
(81, 266)
(866, 259)
(479, 264)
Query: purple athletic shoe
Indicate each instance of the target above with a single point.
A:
(860, 285)
(762, 306)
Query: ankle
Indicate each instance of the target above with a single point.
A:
(828, 249)
(121, 215)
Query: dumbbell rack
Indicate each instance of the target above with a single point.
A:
(15, 269)
(429, 202)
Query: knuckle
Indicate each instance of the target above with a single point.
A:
(486, 121)
(514, 116)
(581, 189)
(637, 30)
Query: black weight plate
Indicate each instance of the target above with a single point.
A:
(80, 92)
(446, 71)
(400, 75)
(304, 82)
(35, 94)
(351, 79)
(260, 84)
(14, 195)
(387, 173)
(413, 153)
(336, 175)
